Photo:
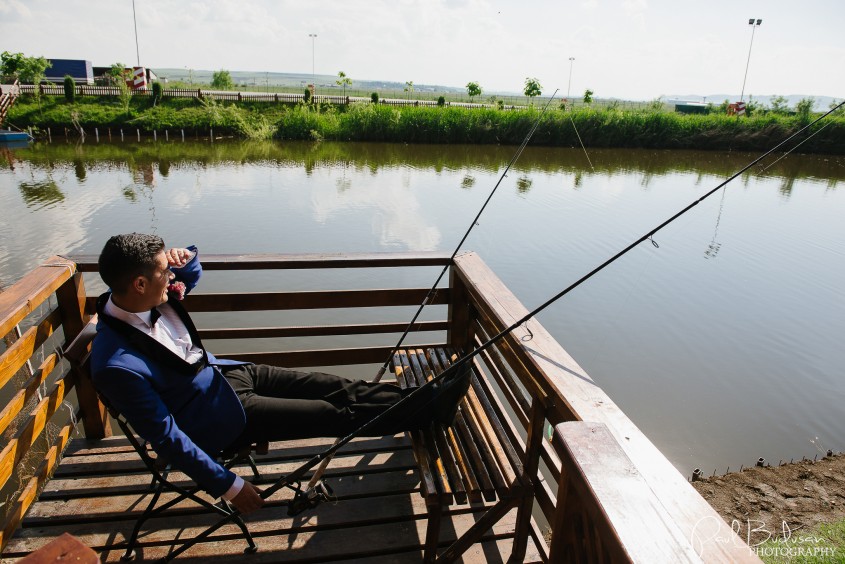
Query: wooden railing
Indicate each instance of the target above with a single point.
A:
(602, 486)
(8, 94)
(48, 303)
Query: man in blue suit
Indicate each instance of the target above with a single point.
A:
(148, 361)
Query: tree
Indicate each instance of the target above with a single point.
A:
(804, 108)
(222, 80)
(26, 69)
(10, 64)
(118, 75)
(532, 87)
(409, 87)
(779, 104)
(588, 96)
(473, 89)
(343, 80)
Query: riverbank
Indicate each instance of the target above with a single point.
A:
(783, 509)
(606, 128)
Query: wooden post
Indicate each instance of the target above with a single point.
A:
(459, 334)
(71, 299)
(534, 445)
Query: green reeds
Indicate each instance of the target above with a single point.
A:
(648, 128)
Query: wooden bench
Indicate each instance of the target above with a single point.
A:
(471, 461)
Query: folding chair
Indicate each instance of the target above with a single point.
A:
(77, 353)
(160, 470)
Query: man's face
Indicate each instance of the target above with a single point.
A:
(158, 281)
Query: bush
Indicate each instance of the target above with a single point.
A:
(158, 91)
(374, 97)
(441, 101)
(70, 88)
(307, 96)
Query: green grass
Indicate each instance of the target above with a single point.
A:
(646, 128)
(823, 545)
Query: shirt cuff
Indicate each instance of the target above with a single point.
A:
(234, 489)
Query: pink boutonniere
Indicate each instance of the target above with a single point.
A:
(176, 290)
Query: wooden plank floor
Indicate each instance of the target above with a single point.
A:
(379, 516)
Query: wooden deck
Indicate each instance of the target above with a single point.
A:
(379, 516)
(605, 488)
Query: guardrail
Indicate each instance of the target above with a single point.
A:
(233, 96)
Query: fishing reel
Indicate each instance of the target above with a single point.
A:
(310, 498)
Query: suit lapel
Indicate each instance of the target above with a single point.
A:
(152, 348)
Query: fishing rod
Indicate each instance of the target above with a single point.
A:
(433, 290)
(297, 474)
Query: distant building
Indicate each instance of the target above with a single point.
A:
(81, 71)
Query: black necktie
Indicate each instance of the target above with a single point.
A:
(154, 315)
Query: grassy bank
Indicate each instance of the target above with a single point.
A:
(824, 544)
(367, 122)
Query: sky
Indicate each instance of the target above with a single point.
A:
(628, 49)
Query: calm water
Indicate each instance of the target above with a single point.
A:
(723, 344)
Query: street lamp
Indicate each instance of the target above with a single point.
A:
(571, 60)
(313, 36)
(753, 23)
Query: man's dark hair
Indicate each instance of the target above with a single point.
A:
(126, 257)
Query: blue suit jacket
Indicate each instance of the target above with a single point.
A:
(188, 413)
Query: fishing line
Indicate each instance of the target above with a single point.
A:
(296, 475)
(582, 143)
(768, 166)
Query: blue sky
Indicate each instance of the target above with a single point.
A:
(632, 49)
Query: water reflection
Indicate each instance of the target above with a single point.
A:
(312, 157)
(689, 346)
(41, 193)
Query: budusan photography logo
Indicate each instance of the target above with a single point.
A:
(761, 538)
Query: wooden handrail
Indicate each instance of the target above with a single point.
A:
(30, 292)
(555, 380)
(88, 263)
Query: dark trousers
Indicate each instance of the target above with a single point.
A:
(282, 404)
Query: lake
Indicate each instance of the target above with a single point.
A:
(721, 341)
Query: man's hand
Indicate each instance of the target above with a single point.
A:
(177, 258)
(248, 499)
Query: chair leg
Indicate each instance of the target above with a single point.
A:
(130, 546)
(432, 532)
(252, 465)
(251, 548)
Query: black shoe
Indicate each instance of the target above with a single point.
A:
(449, 393)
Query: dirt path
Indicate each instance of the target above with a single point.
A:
(793, 497)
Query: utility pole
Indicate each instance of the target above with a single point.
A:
(135, 19)
(313, 36)
(571, 60)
